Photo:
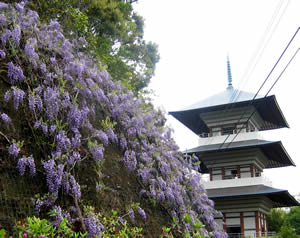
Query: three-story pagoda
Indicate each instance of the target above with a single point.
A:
(234, 155)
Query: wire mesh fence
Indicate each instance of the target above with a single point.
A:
(16, 195)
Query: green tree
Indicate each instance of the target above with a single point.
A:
(276, 219)
(114, 33)
(287, 231)
(294, 219)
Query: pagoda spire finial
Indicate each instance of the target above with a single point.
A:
(229, 74)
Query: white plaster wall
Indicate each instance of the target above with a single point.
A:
(246, 175)
(249, 223)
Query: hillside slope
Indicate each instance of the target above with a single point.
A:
(72, 138)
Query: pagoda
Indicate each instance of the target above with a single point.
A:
(234, 154)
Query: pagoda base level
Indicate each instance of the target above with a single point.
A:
(244, 216)
(245, 224)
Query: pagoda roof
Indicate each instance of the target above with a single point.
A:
(280, 197)
(273, 117)
(274, 151)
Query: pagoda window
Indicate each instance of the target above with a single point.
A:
(257, 172)
(234, 173)
(215, 131)
(231, 173)
(228, 130)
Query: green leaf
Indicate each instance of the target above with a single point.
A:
(187, 219)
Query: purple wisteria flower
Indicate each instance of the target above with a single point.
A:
(102, 137)
(111, 135)
(52, 60)
(75, 187)
(66, 183)
(142, 213)
(5, 118)
(54, 175)
(76, 117)
(93, 226)
(131, 215)
(59, 215)
(97, 152)
(122, 220)
(75, 157)
(5, 36)
(2, 20)
(18, 96)
(13, 149)
(16, 34)
(3, 6)
(37, 124)
(76, 140)
(29, 20)
(26, 161)
(66, 102)
(52, 129)
(20, 6)
(35, 102)
(130, 160)
(15, 73)
(2, 52)
(52, 102)
(144, 173)
(63, 143)
(30, 50)
(45, 128)
(123, 143)
(43, 68)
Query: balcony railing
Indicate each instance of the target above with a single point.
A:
(254, 235)
(220, 139)
(237, 182)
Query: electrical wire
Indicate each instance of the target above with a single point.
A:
(266, 79)
(258, 55)
(254, 111)
(262, 45)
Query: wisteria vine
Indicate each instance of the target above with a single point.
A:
(64, 90)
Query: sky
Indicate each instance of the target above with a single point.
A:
(194, 39)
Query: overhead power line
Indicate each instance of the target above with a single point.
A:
(263, 43)
(266, 79)
(254, 111)
(261, 46)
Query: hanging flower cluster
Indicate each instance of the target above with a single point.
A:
(74, 104)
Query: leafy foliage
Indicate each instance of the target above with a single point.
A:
(279, 218)
(74, 114)
(36, 227)
(276, 219)
(286, 231)
(113, 31)
(293, 218)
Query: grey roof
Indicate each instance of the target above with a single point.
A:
(280, 197)
(226, 100)
(273, 150)
(230, 95)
